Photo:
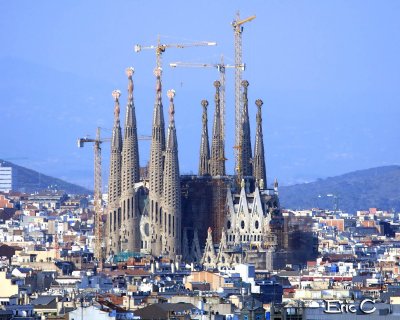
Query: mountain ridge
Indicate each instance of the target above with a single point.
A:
(30, 181)
(357, 190)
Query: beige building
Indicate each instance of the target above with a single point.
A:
(216, 281)
(7, 288)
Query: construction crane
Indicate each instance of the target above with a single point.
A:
(238, 30)
(160, 48)
(98, 205)
(221, 69)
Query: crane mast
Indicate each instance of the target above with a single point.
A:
(238, 30)
(98, 206)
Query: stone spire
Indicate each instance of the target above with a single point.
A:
(217, 161)
(129, 175)
(171, 204)
(114, 180)
(246, 169)
(156, 168)
(204, 163)
(209, 259)
(259, 160)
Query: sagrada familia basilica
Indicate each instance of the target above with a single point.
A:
(211, 218)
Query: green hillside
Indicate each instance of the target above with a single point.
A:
(358, 190)
(27, 180)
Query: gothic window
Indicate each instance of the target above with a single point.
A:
(124, 209)
(242, 224)
(256, 225)
(228, 224)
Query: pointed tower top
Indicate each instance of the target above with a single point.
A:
(259, 158)
(204, 166)
(217, 160)
(114, 180)
(130, 151)
(157, 144)
(204, 104)
(129, 73)
(259, 103)
(245, 157)
(171, 95)
(116, 94)
(157, 72)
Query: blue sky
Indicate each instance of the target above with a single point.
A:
(328, 72)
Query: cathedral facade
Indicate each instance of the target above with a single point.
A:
(210, 218)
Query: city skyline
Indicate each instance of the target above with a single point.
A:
(328, 93)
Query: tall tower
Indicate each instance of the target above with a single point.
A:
(217, 161)
(245, 139)
(204, 163)
(171, 204)
(114, 182)
(259, 160)
(130, 231)
(156, 169)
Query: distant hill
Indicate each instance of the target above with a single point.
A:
(29, 181)
(358, 190)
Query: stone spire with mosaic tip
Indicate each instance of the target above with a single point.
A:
(171, 204)
(130, 237)
(259, 170)
(246, 169)
(114, 181)
(204, 162)
(156, 168)
(217, 160)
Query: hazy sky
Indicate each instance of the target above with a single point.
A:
(328, 72)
